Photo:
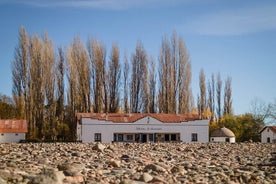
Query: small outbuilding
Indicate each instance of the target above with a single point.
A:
(12, 131)
(268, 134)
(223, 135)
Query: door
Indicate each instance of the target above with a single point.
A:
(144, 137)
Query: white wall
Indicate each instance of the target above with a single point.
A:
(268, 133)
(222, 139)
(145, 125)
(11, 137)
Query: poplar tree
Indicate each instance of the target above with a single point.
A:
(175, 76)
(78, 73)
(228, 97)
(138, 84)
(97, 57)
(126, 84)
(60, 72)
(49, 71)
(152, 87)
(20, 75)
(202, 99)
(211, 96)
(114, 79)
(218, 92)
(37, 87)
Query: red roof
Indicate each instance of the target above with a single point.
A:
(272, 128)
(133, 117)
(13, 126)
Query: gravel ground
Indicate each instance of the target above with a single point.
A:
(129, 163)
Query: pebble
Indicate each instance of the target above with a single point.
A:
(136, 163)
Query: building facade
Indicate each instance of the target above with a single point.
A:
(223, 135)
(268, 134)
(12, 131)
(108, 128)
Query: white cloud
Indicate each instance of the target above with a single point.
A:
(235, 22)
(97, 4)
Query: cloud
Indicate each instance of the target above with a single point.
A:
(96, 4)
(235, 22)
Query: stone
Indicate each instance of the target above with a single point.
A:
(146, 177)
(136, 163)
(154, 167)
(115, 163)
(126, 158)
(99, 147)
(2, 181)
(49, 176)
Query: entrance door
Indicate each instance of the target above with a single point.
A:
(144, 137)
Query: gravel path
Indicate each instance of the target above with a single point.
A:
(129, 163)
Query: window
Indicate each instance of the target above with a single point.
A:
(194, 137)
(268, 139)
(120, 137)
(151, 138)
(16, 134)
(129, 137)
(173, 137)
(227, 139)
(98, 137)
(167, 137)
(2, 134)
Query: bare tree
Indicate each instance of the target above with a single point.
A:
(175, 76)
(202, 99)
(114, 79)
(78, 72)
(97, 56)
(228, 97)
(260, 110)
(48, 68)
(218, 92)
(60, 85)
(211, 96)
(36, 87)
(138, 80)
(185, 73)
(126, 84)
(20, 75)
(152, 87)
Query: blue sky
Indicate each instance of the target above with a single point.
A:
(236, 38)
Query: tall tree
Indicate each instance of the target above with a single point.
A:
(218, 92)
(37, 87)
(202, 87)
(79, 81)
(20, 75)
(48, 68)
(114, 79)
(211, 97)
(185, 75)
(126, 84)
(175, 76)
(138, 80)
(60, 85)
(152, 87)
(97, 56)
(228, 110)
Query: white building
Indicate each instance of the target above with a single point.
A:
(92, 127)
(268, 134)
(222, 135)
(12, 131)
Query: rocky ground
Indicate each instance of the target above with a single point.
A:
(129, 163)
